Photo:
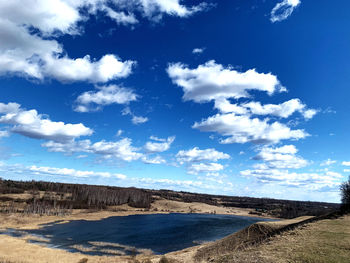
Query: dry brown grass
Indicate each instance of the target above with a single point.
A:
(164, 205)
(324, 241)
(245, 238)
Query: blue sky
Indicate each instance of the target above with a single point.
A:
(223, 97)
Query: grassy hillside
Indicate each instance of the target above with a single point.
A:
(324, 241)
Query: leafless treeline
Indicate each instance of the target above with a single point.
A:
(60, 196)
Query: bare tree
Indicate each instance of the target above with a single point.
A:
(345, 195)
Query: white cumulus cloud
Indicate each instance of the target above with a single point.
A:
(283, 110)
(38, 54)
(280, 158)
(236, 121)
(201, 161)
(242, 129)
(197, 155)
(34, 125)
(105, 95)
(212, 81)
(345, 163)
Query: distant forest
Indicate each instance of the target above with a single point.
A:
(60, 198)
(274, 207)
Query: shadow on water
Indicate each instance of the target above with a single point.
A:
(128, 235)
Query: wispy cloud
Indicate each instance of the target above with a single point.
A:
(283, 10)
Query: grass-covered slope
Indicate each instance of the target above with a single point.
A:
(322, 241)
(249, 236)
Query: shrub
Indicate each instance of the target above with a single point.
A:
(164, 260)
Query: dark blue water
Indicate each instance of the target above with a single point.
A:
(161, 233)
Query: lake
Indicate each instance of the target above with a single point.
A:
(125, 235)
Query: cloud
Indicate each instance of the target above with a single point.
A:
(201, 161)
(10, 107)
(312, 181)
(225, 106)
(30, 55)
(138, 119)
(47, 16)
(169, 183)
(198, 50)
(69, 147)
(242, 129)
(161, 145)
(65, 69)
(345, 163)
(34, 171)
(196, 168)
(197, 155)
(44, 170)
(212, 81)
(309, 114)
(274, 170)
(153, 160)
(283, 110)
(134, 119)
(4, 134)
(283, 10)
(29, 35)
(328, 162)
(207, 185)
(119, 132)
(280, 158)
(120, 17)
(122, 149)
(62, 137)
(31, 124)
(106, 95)
(154, 8)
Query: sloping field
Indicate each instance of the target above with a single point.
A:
(323, 241)
(247, 237)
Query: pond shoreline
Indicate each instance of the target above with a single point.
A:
(21, 221)
(17, 221)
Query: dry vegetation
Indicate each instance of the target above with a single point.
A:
(27, 205)
(48, 198)
(324, 241)
(321, 241)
